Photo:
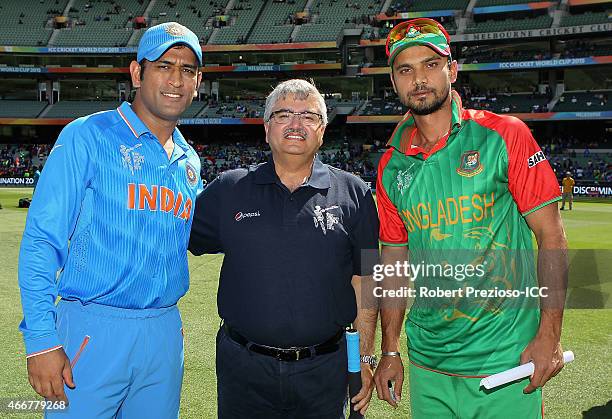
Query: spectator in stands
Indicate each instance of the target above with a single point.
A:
(88, 219)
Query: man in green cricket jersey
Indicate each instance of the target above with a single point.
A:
(459, 180)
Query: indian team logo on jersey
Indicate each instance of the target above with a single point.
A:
(132, 160)
(470, 164)
(192, 176)
(174, 29)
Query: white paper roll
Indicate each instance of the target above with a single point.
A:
(517, 373)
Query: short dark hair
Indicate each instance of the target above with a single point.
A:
(142, 67)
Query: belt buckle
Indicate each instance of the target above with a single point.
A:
(288, 355)
(281, 355)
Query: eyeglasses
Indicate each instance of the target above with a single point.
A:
(284, 116)
(423, 25)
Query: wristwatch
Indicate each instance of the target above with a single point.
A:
(371, 360)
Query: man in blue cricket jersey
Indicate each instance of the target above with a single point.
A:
(107, 232)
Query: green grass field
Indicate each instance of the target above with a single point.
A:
(577, 391)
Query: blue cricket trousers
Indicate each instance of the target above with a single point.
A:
(126, 363)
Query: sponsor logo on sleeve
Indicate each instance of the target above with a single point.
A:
(535, 159)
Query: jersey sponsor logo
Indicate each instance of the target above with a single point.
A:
(470, 164)
(404, 179)
(324, 219)
(535, 159)
(242, 215)
(450, 211)
(192, 176)
(132, 160)
(158, 198)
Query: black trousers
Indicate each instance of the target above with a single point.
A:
(253, 386)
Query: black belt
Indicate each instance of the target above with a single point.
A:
(289, 354)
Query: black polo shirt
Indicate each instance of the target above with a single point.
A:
(289, 257)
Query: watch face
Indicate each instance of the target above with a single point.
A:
(369, 359)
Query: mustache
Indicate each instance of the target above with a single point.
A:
(294, 131)
(422, 88)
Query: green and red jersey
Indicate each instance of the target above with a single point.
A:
(470, 193)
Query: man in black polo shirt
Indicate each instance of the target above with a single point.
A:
(293, 231)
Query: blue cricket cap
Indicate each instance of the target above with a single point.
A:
(160, 38)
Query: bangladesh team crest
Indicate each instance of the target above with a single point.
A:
(413, 32)
(192, 176)
(470, 164)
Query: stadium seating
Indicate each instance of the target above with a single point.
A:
(197, 17)
(584, 102)
(78, 108)
(377, 63)
(243, 16)
(329, 17)
(377, 106)
(503, 55)
(21, 108)
(515, 24)
(373, 32)
(592, 166)
(571, 49)
(450, 26)
(101, 24)
(194, 109)
(28, 23)
(19, 159)
(275, 22)
(234, 109)
(93, 35)
(486, 3)
(345, 104)
(217, 158)
(500, 103)
(317, 32)
(508, 103)
(586, 49)
(271, 34)
(587, 18)
(427, 5)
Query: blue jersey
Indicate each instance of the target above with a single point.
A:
(109, 223)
